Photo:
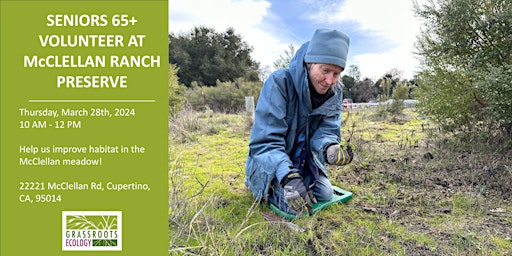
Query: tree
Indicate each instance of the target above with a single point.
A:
(387, 88)
(205, 56)
(401, 93)
(350, 80)
(467, 56)
(348, 83)
(385, 85)
(353, 71)
(285, 60)
(364, 91)
(264, 72)
(176, 91)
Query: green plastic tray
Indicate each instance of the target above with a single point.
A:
(339, 196)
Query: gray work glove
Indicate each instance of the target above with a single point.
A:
(336, 155)
(297, 194)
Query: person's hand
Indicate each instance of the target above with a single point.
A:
(297, 194)
(336, 155)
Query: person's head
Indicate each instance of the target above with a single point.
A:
(326, 58)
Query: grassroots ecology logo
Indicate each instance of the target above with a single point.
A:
(92, 231)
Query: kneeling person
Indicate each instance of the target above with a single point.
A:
(296, 129)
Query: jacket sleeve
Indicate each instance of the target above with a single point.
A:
(328, 131)
(267, 145)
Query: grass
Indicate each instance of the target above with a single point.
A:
(411, 196)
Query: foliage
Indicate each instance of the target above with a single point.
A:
(449, 101)
(225, 97)
(392, 97)
(400, 94)
(348, 83)
(465, 82)
(284, 61)
(175, 91)
(364, 91)
(264, 72)
(497, 85)
(387, 87)
(355, 72)
(205, 56)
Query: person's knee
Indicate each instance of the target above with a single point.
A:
(324, 193)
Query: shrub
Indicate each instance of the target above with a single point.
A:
(176, 91)
(400, 94)
(227, 97)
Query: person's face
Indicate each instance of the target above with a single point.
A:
(323, 76)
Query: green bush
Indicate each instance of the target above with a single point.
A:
(400, 94)
(464, 84)
(176, 91)
(227, 97)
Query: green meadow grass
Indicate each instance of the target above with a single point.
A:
(410, 197)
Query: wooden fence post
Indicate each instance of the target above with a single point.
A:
(249, 106)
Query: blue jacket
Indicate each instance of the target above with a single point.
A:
(283, 108)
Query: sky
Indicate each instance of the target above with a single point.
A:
(382, 33)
